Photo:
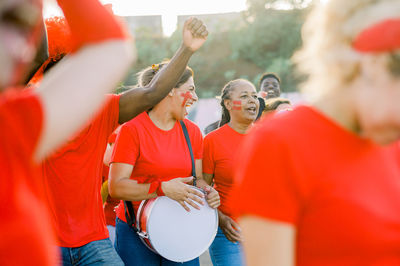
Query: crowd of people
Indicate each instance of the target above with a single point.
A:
(315, 184)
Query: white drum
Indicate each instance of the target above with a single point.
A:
(169, 230)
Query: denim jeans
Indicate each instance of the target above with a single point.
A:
(133, 252)
(224, 252)
(111, 233)
(100, 252)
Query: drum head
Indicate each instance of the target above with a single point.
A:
(179, 235)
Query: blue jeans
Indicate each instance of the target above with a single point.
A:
(133, 252)
(224, 252)
(100, 252)
(111, 233)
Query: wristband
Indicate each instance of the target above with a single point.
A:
(153, 187)
(160, 192)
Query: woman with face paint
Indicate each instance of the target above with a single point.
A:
(151, 159)
(320, 185)
(239, 110)
(34, 123)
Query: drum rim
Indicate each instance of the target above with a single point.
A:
(154, 200)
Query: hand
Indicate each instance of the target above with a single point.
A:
(263, 94)
(230, 228)
(177, 190)
(212, 198)
(194, 34)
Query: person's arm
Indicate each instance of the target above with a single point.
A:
(268, 242)
(124, 188)
(229, 227)
(208, 178)
(138, 100)
(212, 198)
(74, 89)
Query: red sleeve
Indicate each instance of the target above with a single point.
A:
(21, 120)
(265, 180)
(113, 112)
(126, 147)
(109, 115)
(208, 156)
(90, 22)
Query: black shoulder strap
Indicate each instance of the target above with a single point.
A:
(185, 132)
(130, 215)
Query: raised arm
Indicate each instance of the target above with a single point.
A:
(74, 89)
(138, 100)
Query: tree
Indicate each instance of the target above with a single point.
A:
(260, 40)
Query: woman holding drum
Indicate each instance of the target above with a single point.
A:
(321, 185)
(151, 158)
(240, 108)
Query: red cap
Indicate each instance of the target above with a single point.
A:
(381, 37)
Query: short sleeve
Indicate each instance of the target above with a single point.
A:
(126, 147)
(265, 182)
(208, 156)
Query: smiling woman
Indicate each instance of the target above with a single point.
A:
(240, 108)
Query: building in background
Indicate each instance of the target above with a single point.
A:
(151, 25)
(220, 22)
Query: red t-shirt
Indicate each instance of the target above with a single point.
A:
(341, 192)
(110, 203)
(72, 178)
(155, 153)
(220, 151)
(26, 237)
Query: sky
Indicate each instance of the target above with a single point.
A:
(168, 9)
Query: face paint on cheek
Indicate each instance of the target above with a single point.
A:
(186, 96)
(237, 105)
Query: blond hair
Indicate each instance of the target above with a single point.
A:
(327, 57)
(146, 75)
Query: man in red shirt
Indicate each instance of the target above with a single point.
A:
(36, 122)
(72, 174)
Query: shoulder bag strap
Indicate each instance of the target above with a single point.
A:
(185, 132)
(130, 215)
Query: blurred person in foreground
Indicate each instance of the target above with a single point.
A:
(72, 175)
(327, 191)
(36, 122)
(239, 111)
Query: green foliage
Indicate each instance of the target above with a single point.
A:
(261, 40)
